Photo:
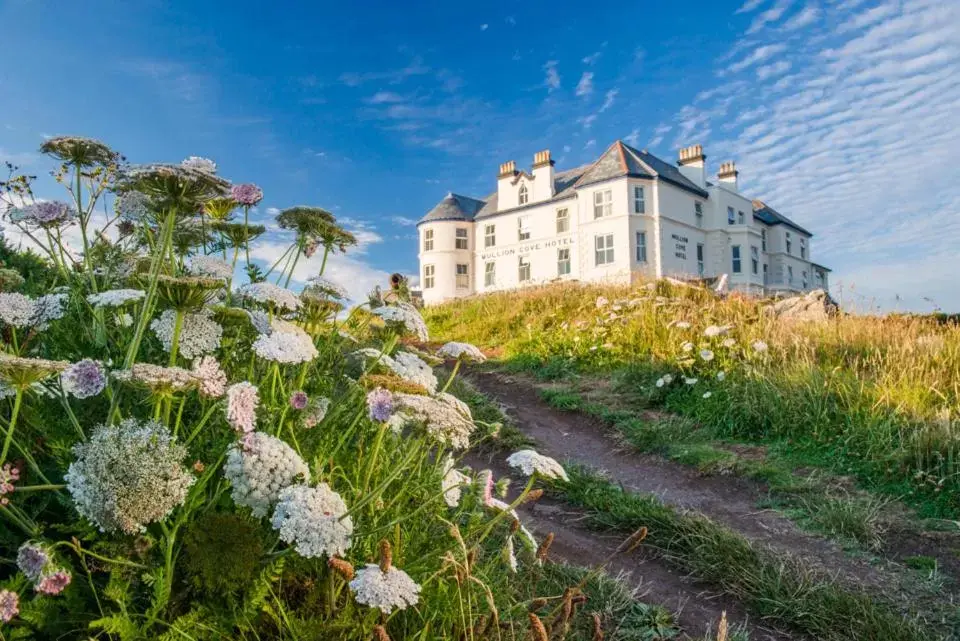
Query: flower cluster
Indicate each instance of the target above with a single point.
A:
(84, 379)
(9, 606)
(199, 333)
(316, 412)
(259, 467)
(270, 295)
(412, 368)
(32, 559)
(242, 402)
(405, 318)
(444, 421)
(314, 520)
(451, 482)
(384, 590)
(22, 311)
(53, 583)
(289, 345)
(320, 286)
(462, 351)
(380, 404)
(211, 266)
(299, 400)
(127, 476)
(133, 207)
(530, 462)
(246, 194)
(47, 214)
(198, 163)
(158, 379)
(116, 297)
(211, 378)
(9, 474)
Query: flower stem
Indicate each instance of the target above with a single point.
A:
(453, 374)
(13, 424)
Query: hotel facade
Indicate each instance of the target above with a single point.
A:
(628, 216)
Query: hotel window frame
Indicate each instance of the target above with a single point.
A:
(603, 249)
(489, 274)
(741, 218)
(763, 239)
(731, 216)
(754, 260)
(427, 240)
(429, 275)
(489, 236)
(563, 262)
(736, 259)
(639, 200)
(789, 242)
(563, 220)
(523, 264)
(804, 280)
(602, 203)
(523, 196)
(462, 234)
(698, 213)
(700, 260)
(463, 275)
(803, 248)
(790, 274)
(641, 247)
(523, 228)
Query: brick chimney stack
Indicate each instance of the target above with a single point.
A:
(692, 164)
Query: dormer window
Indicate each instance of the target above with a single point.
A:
(524, 196)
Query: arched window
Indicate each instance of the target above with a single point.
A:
(523, 195)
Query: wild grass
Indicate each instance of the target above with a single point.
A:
(872, 396)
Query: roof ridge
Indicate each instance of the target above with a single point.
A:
(623, 155)
(637, 154)
(595, 163)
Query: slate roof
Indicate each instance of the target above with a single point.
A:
(765, 213)
(618, 160)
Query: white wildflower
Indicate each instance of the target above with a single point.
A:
(116, 297)
(384, 590)
(452, 480)
(682, 325)
(270, 295)
(687, 346)
(124, 320)
(242, 402)
(661, 382)
(464, 351)
(707, 394)
(444, 421)
(728, 342)
(404, 316)
(412, 368)
(127, 476)
(314, 519)
(198, 163)
(210, 266)
(199, 333)
(289, 345)
(759, 346)
(212, 379)
(22, 311)
(721, 375)
(706, 355)
(530, 462)
(601, 302)
(259, 467)
(690, 381)
(715, 330)
(668, 378)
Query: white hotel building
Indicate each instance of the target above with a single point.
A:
(627, 216)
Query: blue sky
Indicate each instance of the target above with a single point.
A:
(842, 114)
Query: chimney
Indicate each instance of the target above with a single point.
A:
(542, 176)
(506, 190)
(692, 165)
(728, 175)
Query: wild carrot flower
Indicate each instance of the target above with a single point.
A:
(32, 559)
(690, 381)
(22, 311)
(53, 583)
(706, 355)
(380, 404)
(316, 412)
(759, 346)
(9, 606)
(210, 266)
(299, 400)
(242, 402)
(128, 476)
(270, 295)
(158, 379)
(199, 163)
(84, 379)
(412, 368)
(246, 194)
(9, 474)
(687, 346)
(199, 333)
(212, 379)
(260, 467)
(116, 297)
(729, 342)
(19, 372)
(320, 286)
(721, 375)
(452, 480)
(707, 394)
(384, 589)
(80, 151)
(288, 347)
(405, 318)
(444, 422)
(133, 207)
(682, 325)
(716, 330)
(530, 462)
(46, 214)
(464, 351)
(314, 519)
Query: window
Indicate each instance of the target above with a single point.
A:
(523, 227)
(563, 221)
(789, 243)
(428, 271)
(740, 218)
(639, 206)
(790, 275)
(700, 259)
(763, 239)
(461, 240)
(427, 240)
(603, 245)
(463, 277)
(754, 260)
(731, 216)
(641, 246)
(803, 248)
(735, 251)
(766, 268)
(489, 274)
(698, 211)
(563, 262)
(524, 274)
(489, 235)
(524, 196)
(803, 274)
(602, 203)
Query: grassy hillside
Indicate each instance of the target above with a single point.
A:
(871, 396)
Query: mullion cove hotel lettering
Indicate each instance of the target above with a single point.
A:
(625, 217)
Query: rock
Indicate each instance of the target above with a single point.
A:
(814, 306)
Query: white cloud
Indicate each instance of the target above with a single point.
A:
(805, 17)
(592, 58)
(587, 121)
(775, 69)
(382, 97)
(590, 143)
(749, 6)
(769, 16)
(403, 221)
(273, 211)
(552, 80)
(393, 76)
(760, 54)
(585, 86)
(484, 27)
(608, 99)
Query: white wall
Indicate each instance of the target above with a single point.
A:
(445, 258)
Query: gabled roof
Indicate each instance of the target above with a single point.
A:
(767, 214)
(454, 207)
(623, 160)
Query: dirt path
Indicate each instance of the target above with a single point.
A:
(697, 608)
